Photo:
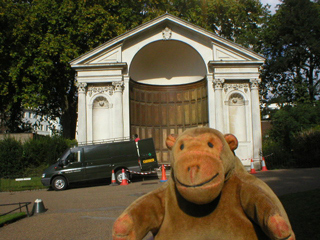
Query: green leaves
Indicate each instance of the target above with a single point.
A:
(291, 45)
(239, 21)
(290, 120)
(41, 39)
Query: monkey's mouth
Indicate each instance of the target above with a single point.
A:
(197, 185)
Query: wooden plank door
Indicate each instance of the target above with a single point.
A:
(157, 111)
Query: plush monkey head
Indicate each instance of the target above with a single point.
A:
(202, 160)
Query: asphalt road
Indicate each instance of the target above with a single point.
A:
(89, 212)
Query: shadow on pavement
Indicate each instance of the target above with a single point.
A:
(107, 181)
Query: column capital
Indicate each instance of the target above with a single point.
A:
(126, 79)
(82, 87)
(118, 86)
(254, 83)
(218, 83)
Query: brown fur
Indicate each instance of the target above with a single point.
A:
(208, 196)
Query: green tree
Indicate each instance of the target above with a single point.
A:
(11, 13)
(132, 13)
(238, 20)
(291, 44)
(293, 139)
(49, 35)
(289, 120)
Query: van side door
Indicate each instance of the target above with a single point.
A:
(73, 168)
(98, 161)
(148, 156)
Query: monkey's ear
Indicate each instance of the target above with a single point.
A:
(171, 139)
(232, 141)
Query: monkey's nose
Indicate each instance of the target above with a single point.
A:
(193, 172)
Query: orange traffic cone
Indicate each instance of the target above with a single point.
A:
(264, 167)
(113, 179)
(124, 178)
(164, 176)
(252, 170)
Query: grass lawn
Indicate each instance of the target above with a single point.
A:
(11, 218)
(303, 210)
(12, 185)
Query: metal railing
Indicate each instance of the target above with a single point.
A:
(21, 205)
(111, 140)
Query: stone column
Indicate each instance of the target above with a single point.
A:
(126, 107)
(89, 122)
(218, 86)
(211, 101)
(82, 112)
(256, 121)
(118, 111)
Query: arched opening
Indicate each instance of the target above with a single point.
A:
(168, 92)
(167, 62)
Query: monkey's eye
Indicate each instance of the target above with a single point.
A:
(210, 145)
(182, 146)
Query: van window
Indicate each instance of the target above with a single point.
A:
(73, 157)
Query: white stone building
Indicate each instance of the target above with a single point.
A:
(41, 125)
(165, 76)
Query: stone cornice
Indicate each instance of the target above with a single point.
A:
(118, 65)
(235, 63)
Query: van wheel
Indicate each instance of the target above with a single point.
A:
(119, 176)
(59, 183)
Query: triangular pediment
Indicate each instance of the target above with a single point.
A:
(221, 54)
(108, 56)
(111, 51)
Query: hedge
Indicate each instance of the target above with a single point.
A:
(304, 151)
(17, 159)
(11, 157)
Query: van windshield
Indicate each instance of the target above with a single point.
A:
(65, 154)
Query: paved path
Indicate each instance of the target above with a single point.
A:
(286, 181)
(89, 212)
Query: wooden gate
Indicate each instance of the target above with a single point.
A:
(157, 111)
